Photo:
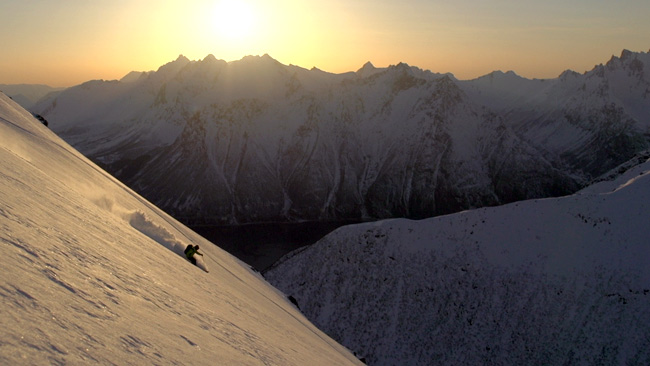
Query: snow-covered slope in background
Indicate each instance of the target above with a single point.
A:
(28, 94)
(94, 274)
(561, 281)
(377, 143)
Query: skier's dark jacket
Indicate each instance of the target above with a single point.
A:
(190, 251)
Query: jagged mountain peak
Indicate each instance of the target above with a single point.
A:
(265, 59)
(174, 66)
(498, 74)
(402, 66)
(210, 58)
(263, 66)
(626, 54)
(368, 66)
(634, 63)
(134, 76)
(503, 84)
(566, 74)
(181, 59)
(367, 70)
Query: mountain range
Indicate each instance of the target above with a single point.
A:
(255, 140)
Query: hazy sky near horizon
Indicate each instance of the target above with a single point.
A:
(67, 42)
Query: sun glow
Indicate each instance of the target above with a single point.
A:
(234, 20)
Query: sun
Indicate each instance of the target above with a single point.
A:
(234, 20)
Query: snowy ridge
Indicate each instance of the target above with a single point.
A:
(376, 143)
(626, 172)
(93, 273)
(28, 94)
(553, 281)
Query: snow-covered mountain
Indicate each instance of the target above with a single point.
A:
(255, 140)
(94, 274)
(28, 94)
(590, 122)
(558, 281)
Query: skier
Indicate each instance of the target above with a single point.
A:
(190, 251)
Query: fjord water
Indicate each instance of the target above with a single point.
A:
(261, 245)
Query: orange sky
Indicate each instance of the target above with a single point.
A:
(67, 42)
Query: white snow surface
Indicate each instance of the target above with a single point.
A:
(94, 274)
(542, 282)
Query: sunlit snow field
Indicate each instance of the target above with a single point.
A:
(93, 273)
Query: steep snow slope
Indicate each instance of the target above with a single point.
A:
(541, 282)
(93, 273)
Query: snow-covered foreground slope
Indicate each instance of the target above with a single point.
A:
(562, 281)
(92, 273)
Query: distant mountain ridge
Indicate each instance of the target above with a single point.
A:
(255, 140)
(27, 94)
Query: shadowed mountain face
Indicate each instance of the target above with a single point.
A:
(553, 281)
(255, 140)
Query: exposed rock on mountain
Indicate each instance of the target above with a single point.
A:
(255, 140)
